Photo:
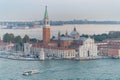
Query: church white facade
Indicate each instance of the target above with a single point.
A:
(88, 50)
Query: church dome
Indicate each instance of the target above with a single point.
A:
(74, 33)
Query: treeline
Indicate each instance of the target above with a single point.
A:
(98, 38)
(17, 39)
(101, 37)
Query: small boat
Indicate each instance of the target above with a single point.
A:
(30, 72)
(115, 57)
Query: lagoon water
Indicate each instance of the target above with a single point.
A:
(102, 69)
(82, 29)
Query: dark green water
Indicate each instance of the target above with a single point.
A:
(106, 69)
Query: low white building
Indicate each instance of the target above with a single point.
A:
(88, 50)
(27, 48)
(61, 53)
(42, 54)
(56, 53)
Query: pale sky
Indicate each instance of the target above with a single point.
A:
(22, 10)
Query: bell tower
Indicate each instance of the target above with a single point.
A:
(46, 27)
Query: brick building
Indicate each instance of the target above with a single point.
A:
(110, 48)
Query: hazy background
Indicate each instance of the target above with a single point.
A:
(22, 10)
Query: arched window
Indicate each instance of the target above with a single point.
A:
(88, 52)
(47, 22)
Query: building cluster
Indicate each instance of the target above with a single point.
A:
(110, 48)
(6, 46)
(67, 46)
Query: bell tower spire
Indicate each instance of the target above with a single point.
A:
(46, 27)
(46, 18)
(46, 12)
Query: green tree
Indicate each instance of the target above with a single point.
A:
(8, 37)
(53, 37)
(84, 35)
(33, 40)
(26, 39)
(11, 37)
(17, 39)
(62, 35)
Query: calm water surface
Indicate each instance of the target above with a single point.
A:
(106, 69)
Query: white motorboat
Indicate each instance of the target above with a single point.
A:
(30, 72)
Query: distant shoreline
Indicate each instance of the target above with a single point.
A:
(30, 24)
